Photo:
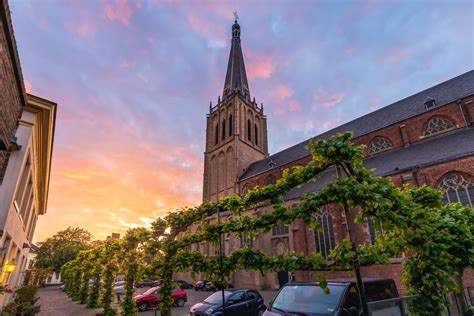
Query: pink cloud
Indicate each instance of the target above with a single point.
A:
(281, 92)
(120, 12)
(28, 87)
(327, 100)
(396, 55)
(82, 28)
(285, 108)
(126, 63)
(259, 65)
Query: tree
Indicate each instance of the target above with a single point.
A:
(61, 248)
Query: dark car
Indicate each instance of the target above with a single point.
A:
(217, 285)
(241, 302)
(183, 284)
(146, 283)
(151, 298)
(342, 300)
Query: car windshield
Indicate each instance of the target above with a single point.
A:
(308, 299)
(120, 283)
(151, 290)
(216, 298)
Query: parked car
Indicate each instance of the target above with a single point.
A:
(200, 285)
(342, 300)
(216, 285)
(151, 298)
(146, 283)
(183, 284)
(240, 302)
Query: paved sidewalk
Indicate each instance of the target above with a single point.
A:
(55, 303)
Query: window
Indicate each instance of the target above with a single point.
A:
(245, 189)
(279, 229)
(223, 129)
(256, 135)
(249, 130)
(246, 240)
(378, 144)
(437, 125)
(231, 127)
(270, 180)
(430, 103)
(324, 239)
(457, 188)
(216, 134)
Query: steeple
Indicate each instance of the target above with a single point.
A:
(236, 77)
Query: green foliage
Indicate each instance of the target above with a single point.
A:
(24, 303)
(61, 248)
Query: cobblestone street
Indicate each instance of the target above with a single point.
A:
(56, 303)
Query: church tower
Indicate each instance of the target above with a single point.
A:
(236, 133)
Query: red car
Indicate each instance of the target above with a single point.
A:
(151, 298)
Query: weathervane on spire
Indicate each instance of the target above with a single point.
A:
(236, 16)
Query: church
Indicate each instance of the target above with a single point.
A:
(425, 138)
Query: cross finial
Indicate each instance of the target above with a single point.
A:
(236, 16)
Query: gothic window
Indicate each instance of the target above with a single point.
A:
(216, 134)
(249, 130)
(324, 239)
(246, 240)
(245, 189)
(231, 125)
(379, 144)
(256, 135)
(280, 229)
(457, 188)
(223, 129)
(270, 180)
(437, 124)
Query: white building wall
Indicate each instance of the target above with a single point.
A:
(18, 205)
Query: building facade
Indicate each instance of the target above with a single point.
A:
(26, 140)
(426, 138)
(24, 190)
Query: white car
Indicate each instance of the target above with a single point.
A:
(119, 287)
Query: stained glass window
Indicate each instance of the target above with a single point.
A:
(379, 144)
(457, 188)
(324, 239)
(438, 124)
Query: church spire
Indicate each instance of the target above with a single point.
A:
(236, 77)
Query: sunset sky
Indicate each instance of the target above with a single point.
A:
(133, 81)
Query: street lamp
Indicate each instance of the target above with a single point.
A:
(10, 267)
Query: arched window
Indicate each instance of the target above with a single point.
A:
(231, 125)
(245, 189)
(223, 129)
(437, 124)
(280, 229)
(378, 144)
(457, 188)
(249, 130)
(270, 180)
(324, 239)
(256, 135)
(216, 134)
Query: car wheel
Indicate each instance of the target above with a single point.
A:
(180, 302)
(143, 306)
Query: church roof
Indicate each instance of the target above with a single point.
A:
(443, 93)
(429, 151)
(236, 77)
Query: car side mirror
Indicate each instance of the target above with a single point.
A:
(354, 311)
